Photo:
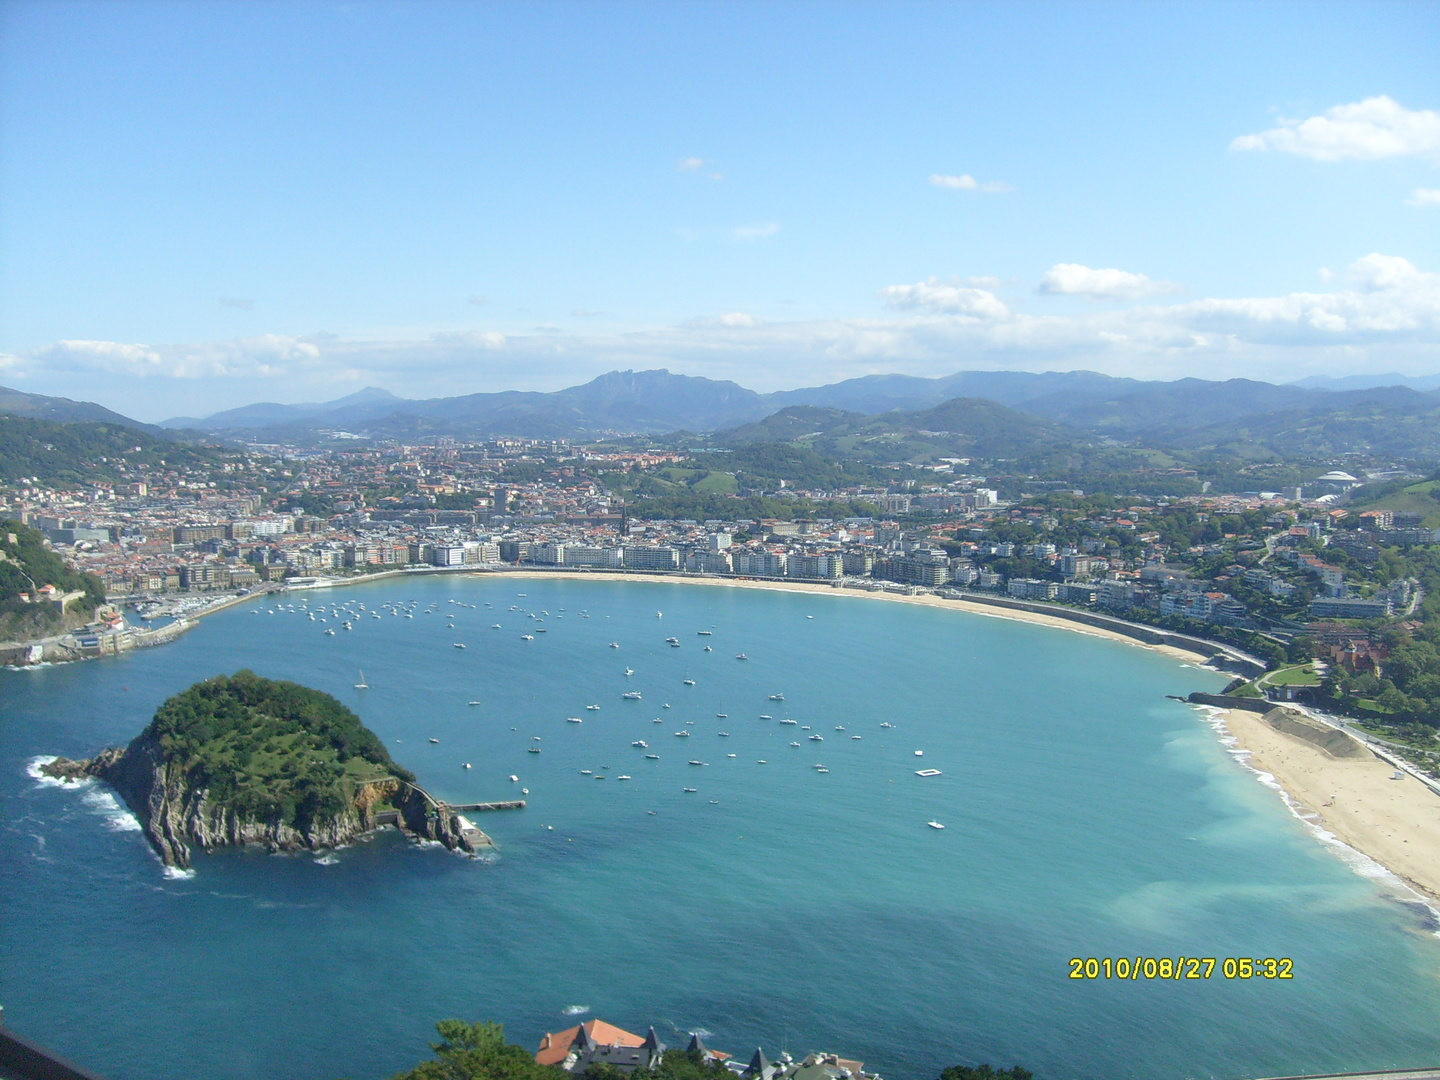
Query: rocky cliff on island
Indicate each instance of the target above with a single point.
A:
(245, 760)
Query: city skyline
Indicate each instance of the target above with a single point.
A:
(211, 205)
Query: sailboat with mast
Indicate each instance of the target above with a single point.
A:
(361, 684)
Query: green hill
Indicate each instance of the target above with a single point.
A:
(241, 759)
(73, 453)
(25, 565)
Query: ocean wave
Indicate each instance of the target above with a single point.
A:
(174, 873)
(575, 1010)
(32, 770)
(117, 817)
(326, 860)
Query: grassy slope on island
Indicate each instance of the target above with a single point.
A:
(26, 564)
(271, 750)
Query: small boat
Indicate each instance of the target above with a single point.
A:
(614, 644)
(593, 708)
(794, 744)
(722, 716)
(467, 765)
(689, 682)
(541, 630)
(362, 684)
(573, 720)
(629, 672)
(682, 734)
(674, 644)
(653, 757)
(527, 637)
(690, 789)
(459, 644)
(659, 614)
(934, 824)
(809, 616)
(724, 734)
(672, 641)
(640, 743)
(766, 716)
(854, 737)
(599, 776)
(534, 750)
(495, 626)
(697, 763)
(787, 720)
(708, 649)
(741, 656)
(839, 727)
(434, 740)
(777, 697)
(585, 772)
(817, 738)
(927, 772)
(704, 633)
(622, 776)
(729, 755)
(919, 753)
(329, 633)
(821, 768)
(472, 703)
(514, 779)
(887, 724)
(633, 695)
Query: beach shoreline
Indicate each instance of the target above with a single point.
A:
(1392, 825)
(1353, 801)
(1188, 656)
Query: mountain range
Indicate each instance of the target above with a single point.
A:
(1186, 413)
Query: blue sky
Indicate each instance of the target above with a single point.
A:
(203, 204)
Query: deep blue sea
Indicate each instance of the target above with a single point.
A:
(1085, 815)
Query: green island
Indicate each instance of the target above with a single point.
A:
(242, 759)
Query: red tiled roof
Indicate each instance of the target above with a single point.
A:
(553, 1048)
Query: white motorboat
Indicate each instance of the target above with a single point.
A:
(927, 772)
(934, 824)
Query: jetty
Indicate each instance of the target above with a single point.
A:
(443, 820)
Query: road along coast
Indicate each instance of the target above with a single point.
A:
(1335, 784)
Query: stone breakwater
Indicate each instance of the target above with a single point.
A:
(174, 816)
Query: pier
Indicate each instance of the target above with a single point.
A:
(446, 818)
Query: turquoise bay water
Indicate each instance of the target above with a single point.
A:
(1085, 814)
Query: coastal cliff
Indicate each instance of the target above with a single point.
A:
(244, 760)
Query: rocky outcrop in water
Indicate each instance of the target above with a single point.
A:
(245, 760)
(175, 816)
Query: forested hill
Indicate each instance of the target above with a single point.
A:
(71, 453)
(26, 564)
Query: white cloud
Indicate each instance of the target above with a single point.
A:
(1377, 127)
(966, 182)
(1424, 197)
(1381, 310)
(755, 232)
(1073, 279)
(478, 300)
(690, 164)
(944, 298)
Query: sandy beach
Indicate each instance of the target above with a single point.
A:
(1345, 790)
(923, 600)
(1394, 822)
